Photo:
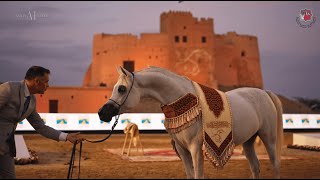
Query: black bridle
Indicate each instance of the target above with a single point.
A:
(71, 163)
(126, 96)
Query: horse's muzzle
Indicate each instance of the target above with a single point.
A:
(107, 111)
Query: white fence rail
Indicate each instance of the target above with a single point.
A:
(145, 121)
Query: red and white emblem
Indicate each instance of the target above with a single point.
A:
(306, 18)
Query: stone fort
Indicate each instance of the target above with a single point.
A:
(185, 45)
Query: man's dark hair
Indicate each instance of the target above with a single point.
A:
(36, 71)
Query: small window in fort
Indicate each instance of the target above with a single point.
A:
(102, 84)
(53, 106)
(243, 53)
(230, 66)
(97, 53)
(184, 39)
(203, 39)
(105, 51)
(106, 97)
(129, 65)
(176, 38)
(184, 27)
(149, 57)
(71, 97)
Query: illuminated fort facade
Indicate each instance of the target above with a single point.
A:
(185, 45)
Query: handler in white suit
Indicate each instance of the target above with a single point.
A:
(17, 102)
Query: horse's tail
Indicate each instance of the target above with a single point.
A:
(278, 105)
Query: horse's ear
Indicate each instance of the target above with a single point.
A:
(119, 70)
(124, 71)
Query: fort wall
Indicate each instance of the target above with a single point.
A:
(72, 99)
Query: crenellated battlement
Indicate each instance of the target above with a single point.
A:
(205, 20)
(185, 15)
(176, 13)
(105, 40)
(233, 34)
(115, 36)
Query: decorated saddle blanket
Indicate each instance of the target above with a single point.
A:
(181, 113)
(213, 108)
(218, 142)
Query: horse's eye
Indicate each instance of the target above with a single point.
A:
(122, 89)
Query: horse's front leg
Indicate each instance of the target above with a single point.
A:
(198, 160)
(186, 158)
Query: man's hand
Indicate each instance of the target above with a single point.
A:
(75, 138)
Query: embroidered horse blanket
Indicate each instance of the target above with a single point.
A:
(218, 142)
(213, 108)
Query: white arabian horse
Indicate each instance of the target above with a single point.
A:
(255, 113)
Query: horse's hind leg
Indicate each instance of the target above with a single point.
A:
(251, 155)
(186, 158)
(270, 144)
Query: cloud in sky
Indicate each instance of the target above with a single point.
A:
(62, 39)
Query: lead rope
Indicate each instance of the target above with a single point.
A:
(115, 123)
(71, 163)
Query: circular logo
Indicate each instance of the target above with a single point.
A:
(306, 18)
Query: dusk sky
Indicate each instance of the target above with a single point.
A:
(60, 38)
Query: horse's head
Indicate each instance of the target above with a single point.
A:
(125, 95)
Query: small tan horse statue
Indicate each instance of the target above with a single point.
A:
(132, 130)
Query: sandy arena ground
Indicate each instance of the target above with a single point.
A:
(97, 163)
